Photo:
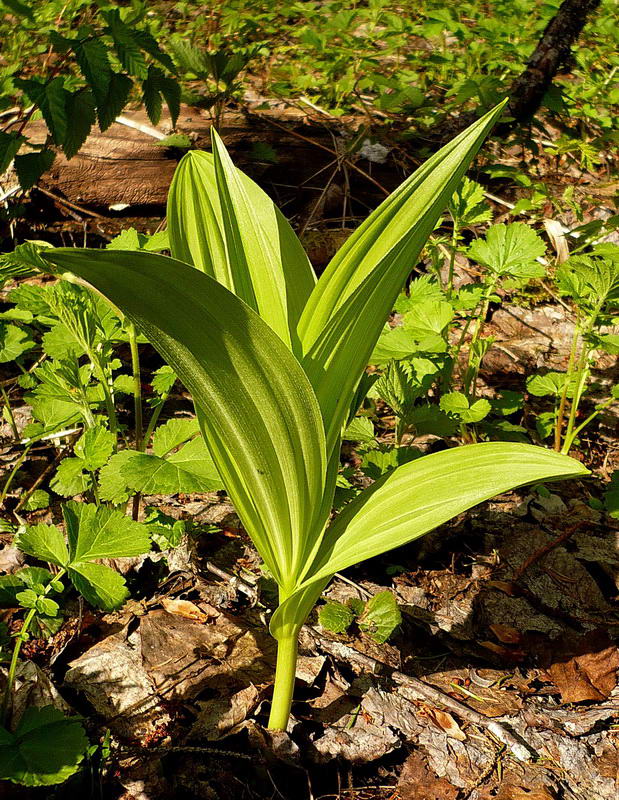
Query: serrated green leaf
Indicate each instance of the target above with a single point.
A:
(457, 404)
(9, 146)
(101, 586)
(44, 542)
(10, 585)
(126, 47)
(163, 380)
(509, 250)
(113, 487)
(14, 342)
(94, 447)
(180, 140)
(360, 429)
(335, 617)
(27, 599)
(551, 383)
(70, 478)
(51, 98)
(92, 58)
(172, 434)
(381, 460)
(99, 532)
(430, 419)
(81, 115)
(37, 500)
(46, 748)
(30, 166)
(468, 204)
(119, 89)
(380, 617)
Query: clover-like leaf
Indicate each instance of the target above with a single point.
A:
(510, 250)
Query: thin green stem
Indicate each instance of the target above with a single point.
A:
(284, 681)
(9, 412)
(452, 259)
(568, 380)
(153, 420)
(137, 385)
(470, 376)
(19, 640)
(107, 392)
(569, 441)
(17, 465)
(581, 372)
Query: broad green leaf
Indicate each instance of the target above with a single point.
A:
(381, 616)
(190, 469)
(9, 146)
(380, 460)
(510, 250)
(335, 617)
(345, 313)
(99, 532)
(101, 586)
(30, 166)
(70, 478)
(457, 404)
(46, 748)
(429, 316)
(416, 498)
(360, 429)
(258, 412)
(172, 434)
(44, 542)
(10, 585)
(552, 383)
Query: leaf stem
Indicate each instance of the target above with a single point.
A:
(284, 680)
(17, 465)
(564, 393)
(137, 385)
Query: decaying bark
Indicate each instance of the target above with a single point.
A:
(552, 52)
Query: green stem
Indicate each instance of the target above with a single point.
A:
(9, 412)
(568, 380)
(9, 480)
(452, 259)
(19, 640)
(470, 376)
(107, 392)
(137, 385)
(284, 681)
(581, 372)
(153, 421)
(569, 441)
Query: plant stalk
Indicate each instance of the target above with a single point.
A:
(568, 379)
(137, 385)
(284, 681)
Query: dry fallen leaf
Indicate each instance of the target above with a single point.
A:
(189, 610)
(446, 722)
(588, 670)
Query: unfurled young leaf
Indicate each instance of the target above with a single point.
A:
(510, 250)
(46, 748)
(380, 617)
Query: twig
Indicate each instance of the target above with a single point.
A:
(517, 746)
(235, 582)
(69, 204)
(547, 548)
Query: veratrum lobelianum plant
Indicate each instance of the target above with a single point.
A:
(272, 357)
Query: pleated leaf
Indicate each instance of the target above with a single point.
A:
(414, 499)
(222, 222)
(259, 415)
(345, 313)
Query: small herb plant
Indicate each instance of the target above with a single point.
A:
(273, 358)
(592, 284)
(379, 617)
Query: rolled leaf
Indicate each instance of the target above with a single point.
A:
(417, 497)
(259, 414)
